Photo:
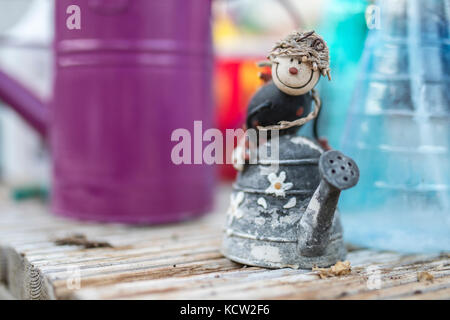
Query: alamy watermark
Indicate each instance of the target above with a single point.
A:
(207, 147)
(73, 281)
(373, 17)
(374, 280)
(73, 21)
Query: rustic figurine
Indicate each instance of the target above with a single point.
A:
(283, 211)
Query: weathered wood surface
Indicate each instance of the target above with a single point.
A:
(183, 261)
(4, 293)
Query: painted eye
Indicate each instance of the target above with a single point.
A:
(299, 61)
(292, 59)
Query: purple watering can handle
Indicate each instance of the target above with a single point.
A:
(109, 6)
(24, 102)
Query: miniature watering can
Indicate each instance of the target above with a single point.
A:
(283, 210)
(127, 74)
(285, 215)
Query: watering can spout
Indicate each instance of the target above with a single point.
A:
(338, 172)
(30, 107)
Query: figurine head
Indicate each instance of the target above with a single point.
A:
(298, 61)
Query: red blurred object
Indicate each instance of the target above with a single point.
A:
(235, 81)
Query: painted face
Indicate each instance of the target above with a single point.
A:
(294, 77)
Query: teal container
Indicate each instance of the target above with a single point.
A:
(343, 26)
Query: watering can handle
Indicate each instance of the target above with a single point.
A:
(109, 6)
(31, 108)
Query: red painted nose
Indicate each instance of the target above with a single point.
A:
(293, 70)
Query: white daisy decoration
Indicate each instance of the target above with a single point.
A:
(235, 201)
(277, 185)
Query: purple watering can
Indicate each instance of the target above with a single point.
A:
(127, 74)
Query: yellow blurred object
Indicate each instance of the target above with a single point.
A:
(248, 74)
(224, 30)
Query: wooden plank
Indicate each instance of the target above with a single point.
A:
(22, 264)
(31, 260)
(255, 283)
(430, 295)
(201, 267)
(239, 275)
(296, 286)
(402, 282)
(183, 261)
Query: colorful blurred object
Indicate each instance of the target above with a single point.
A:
(235, 72)
(398, 131)
(236, 80)
(30, 192)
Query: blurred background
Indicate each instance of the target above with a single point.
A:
(26, 34)
(243, 33)
(387, 106)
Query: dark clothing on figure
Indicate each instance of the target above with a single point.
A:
(270, 105)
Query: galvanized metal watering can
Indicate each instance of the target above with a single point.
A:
(288, 217)
(127, 74)
(283, 210)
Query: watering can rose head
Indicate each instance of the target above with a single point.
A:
(298, 61)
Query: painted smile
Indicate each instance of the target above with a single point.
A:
(310, 78)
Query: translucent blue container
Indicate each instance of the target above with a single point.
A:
(398, 131)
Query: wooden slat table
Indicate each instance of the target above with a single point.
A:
(183, 261)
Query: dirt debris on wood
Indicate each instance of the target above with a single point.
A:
(81, 240)
(339, 269)
(425, 276)
(350, 247)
